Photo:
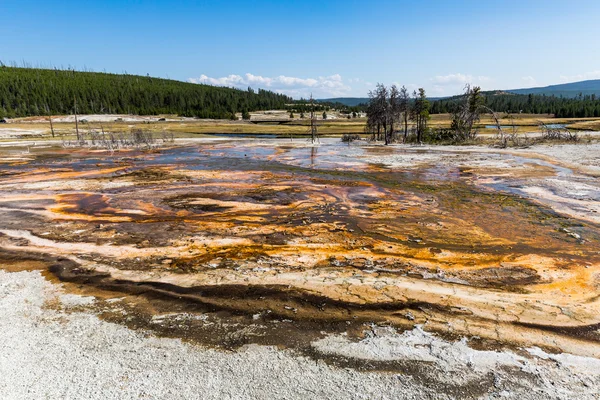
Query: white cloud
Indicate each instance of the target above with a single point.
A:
(409, 86)
(580, 77)
(451, 84)
(454, 79)
(323, 86)
(529, 81)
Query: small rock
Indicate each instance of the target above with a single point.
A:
(414, 239)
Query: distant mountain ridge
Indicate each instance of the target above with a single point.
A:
(347, 101)
(567, 90)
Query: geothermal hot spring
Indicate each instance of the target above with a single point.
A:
(234, 242)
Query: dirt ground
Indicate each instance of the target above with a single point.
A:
(368, 268)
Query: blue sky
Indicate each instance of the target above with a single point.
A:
(329, 48)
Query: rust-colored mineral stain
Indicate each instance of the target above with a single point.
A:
(249, 230)
(89, 207)
(46, 174)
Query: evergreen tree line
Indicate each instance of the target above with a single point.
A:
(583, 106)
(304, 107)
(30, 91)
(578, 107)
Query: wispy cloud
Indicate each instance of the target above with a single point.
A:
(409, 86)
(580, 77)
(529, 81)
(336, 86)
(451, 84)
(322, 86)
(453, 79)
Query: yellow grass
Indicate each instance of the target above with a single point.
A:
(192, 128)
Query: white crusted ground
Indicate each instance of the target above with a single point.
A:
(49, 352)
(57, 354)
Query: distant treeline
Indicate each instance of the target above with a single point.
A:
(578, 107)
(304, 106)
(31, 91)
(581, 106)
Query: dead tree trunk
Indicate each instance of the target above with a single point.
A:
(76, 122)
(388, 133)
(51, 127)
(313, 121)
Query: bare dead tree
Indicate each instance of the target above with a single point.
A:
(371, 129)
(550, 132)
(404, 108)
(506, 137)
(420, 113)
(137, 138)
(373, 123)
(76, 122)
(394, 112)
(501, 138)
(51, 127)
(167, 136)
(382, 111)
(314, 136)
(513, 135)
(378, 112)
(467, 113)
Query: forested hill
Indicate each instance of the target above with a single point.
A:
(562, 107)
(571, 90)
(568, 100)
(347, 101)
(29, 91)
